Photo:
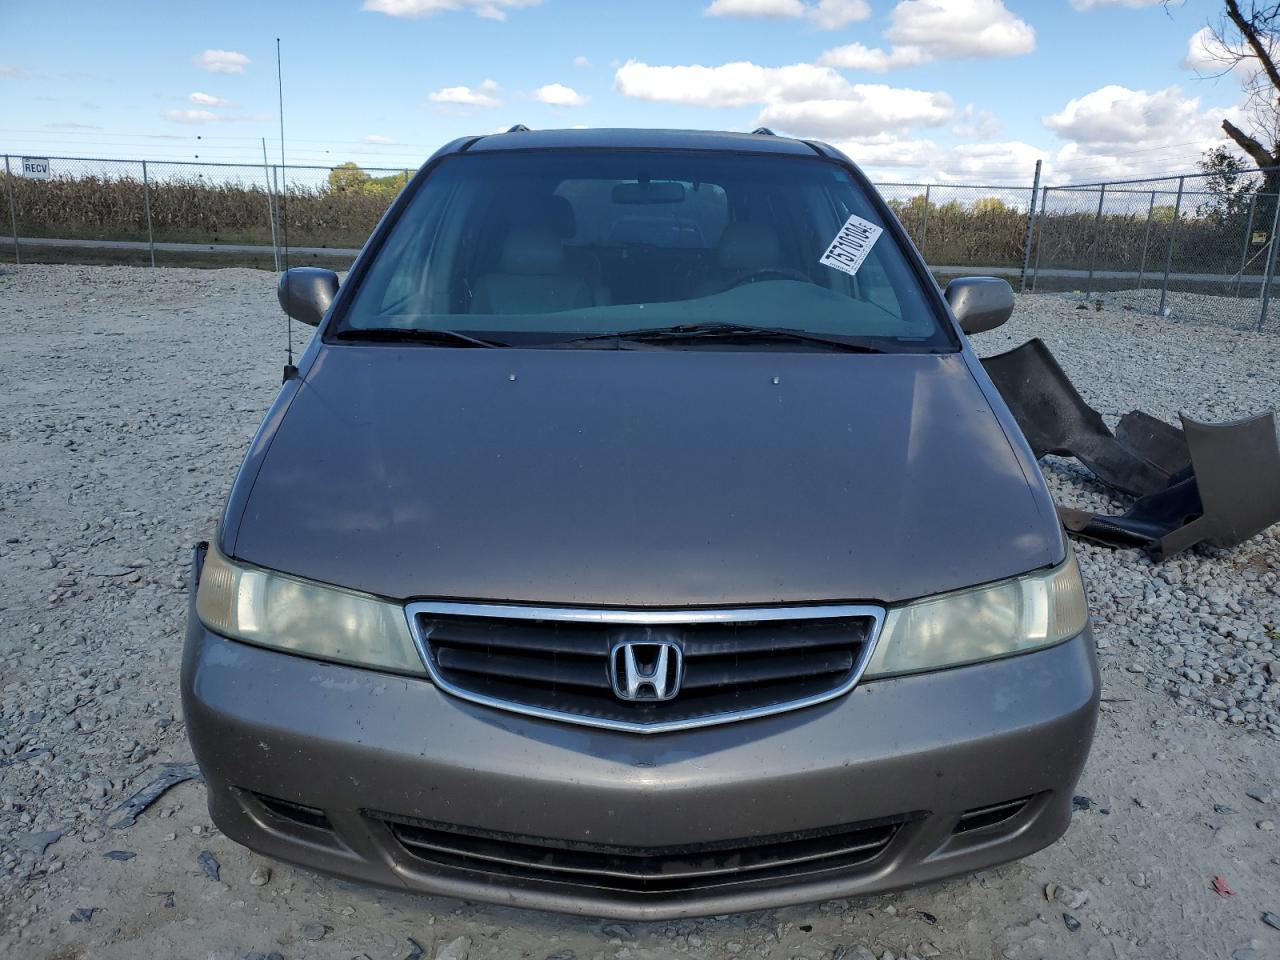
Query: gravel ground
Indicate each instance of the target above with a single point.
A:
(129, 396)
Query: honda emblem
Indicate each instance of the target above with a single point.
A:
(646, 670)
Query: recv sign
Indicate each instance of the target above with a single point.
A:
(36, 167)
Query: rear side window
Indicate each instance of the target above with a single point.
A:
(549, 244)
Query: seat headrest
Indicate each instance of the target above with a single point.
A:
(532, 251)
(748, 246)
(548, 210)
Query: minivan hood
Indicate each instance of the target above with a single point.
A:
(647, 477)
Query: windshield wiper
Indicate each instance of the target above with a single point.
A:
(444, 338)
(727, 331)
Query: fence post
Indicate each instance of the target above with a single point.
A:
(1031, 225)
(1271, 264)
(13, 211)
(275, 189)
(271, 210)
(1146, 237)
(1093, 247)
(1035, 271)
(1244, 248)
(1168, 257)
(924, 227)
(146, 205)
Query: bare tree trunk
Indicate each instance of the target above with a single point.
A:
(1260, 155)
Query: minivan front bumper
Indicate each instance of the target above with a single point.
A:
(389, 780)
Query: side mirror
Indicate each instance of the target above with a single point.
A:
(980, 303)
(306, 292)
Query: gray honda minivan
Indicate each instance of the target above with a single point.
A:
(640, 536)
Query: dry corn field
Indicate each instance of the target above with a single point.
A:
(961, 226)
(192, 209)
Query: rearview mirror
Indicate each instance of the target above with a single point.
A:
(306, 292)
(980, 303)
(649, 191)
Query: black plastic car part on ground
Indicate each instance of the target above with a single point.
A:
(1211, 483)
(1056, 419)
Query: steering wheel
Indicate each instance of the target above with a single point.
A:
(769, 273)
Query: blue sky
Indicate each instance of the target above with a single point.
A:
(918, 90)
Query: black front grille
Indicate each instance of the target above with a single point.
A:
(644, 869)
(562, 666)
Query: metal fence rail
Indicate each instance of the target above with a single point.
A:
(1160, 238)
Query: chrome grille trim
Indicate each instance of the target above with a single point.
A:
(606, 616)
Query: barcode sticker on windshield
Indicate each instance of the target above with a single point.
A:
(851, 245)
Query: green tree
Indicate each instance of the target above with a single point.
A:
(1229, 182)
(347, 177)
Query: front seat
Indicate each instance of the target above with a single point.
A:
(531, 278)
(744, 248)
(554, 211)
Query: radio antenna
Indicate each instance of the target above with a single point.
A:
(290, 371)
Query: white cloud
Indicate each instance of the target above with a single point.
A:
(802, 99)
(191, 116)
(1206, 54)
(222, 61)
(921, 31)
(207, 100)
(960, 29)
(890, 157)
(863, 110)
(1011, 162)
(581, 61)
(888, 151)
(377, 138)
(755, 8)
(489, 9)
(1094, 4)
(834, 14)
(1114, 130)
(827, 14)
(975, 124)
(12, 71)
(1117, 115)
(463, 96)
(1209, 56)
(736, 84)
(856, 56)
(558, 95)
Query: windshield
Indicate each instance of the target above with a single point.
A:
(549, 246)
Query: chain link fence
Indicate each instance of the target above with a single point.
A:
(178, 213)
(963, 228)
(1160, 244)
(1167, 242)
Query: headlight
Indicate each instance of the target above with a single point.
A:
(274, 610)
(982, 624)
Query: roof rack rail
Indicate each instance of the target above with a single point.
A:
(763, 132)
(519, 128)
